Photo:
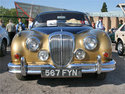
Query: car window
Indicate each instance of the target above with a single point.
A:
(123, 28)
(61, 19)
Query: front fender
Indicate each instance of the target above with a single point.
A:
(104, 45)
(18, 45)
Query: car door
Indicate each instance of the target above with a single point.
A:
(122, 33)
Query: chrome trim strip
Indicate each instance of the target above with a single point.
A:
(86, 68)
(61, 48)
(83, 71)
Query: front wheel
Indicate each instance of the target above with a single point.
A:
(3, 48)
(120, 48)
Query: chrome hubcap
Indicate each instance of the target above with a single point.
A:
(120, 47)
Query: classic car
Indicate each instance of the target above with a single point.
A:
(120, 40)
(61, 44)
(4, 41)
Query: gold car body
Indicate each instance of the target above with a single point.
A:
(19, 42)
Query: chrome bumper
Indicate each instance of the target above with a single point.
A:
(98, 68)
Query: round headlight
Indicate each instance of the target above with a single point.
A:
(43, 55)
(80, 54)
(90, 43)
(33, 43)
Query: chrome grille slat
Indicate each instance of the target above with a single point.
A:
(61, 48)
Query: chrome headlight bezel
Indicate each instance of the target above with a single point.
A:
(30, 45)
(90, 42)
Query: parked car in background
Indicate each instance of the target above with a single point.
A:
(120, 40)
(4, 41)
(61, 44)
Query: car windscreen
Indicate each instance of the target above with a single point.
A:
(61, 19)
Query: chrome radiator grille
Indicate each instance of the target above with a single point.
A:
(61, 48)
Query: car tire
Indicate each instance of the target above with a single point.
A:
(3, 47)
(120, 48)
(101, 76)
(21, 77)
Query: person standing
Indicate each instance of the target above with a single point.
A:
(1, 23)
(93, 25)
(99, 24)
(30, 23)
(11, 29)
(120, 23)
(20, 26)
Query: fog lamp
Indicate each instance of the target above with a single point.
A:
(80, 54)
(43, 55)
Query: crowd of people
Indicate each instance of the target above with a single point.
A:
(13, 29)
(99, 24)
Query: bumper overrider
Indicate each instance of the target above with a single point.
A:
(98, 68)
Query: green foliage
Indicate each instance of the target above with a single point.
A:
(104, 7)
(8, 12)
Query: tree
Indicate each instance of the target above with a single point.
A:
(4, 12)
(7, 12)
(104, 7)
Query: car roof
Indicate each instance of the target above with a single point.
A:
(49, 12)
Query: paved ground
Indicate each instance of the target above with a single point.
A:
(113, 84)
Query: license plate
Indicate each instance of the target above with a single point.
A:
(61, 73)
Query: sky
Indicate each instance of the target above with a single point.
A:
(77, 5)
